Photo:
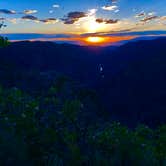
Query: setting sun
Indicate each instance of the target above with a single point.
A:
(95, 39)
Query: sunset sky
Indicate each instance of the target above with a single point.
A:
(77, 17)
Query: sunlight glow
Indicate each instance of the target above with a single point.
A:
(91, 26)
(95, 39)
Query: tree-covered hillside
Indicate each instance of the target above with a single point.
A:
(58, 128)
(61, 109)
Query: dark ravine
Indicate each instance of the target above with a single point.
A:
(131, 83)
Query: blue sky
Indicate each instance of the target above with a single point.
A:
(82, 16)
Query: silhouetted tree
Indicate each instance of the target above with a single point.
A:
(3, 40)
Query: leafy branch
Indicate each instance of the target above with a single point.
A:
(3, 40)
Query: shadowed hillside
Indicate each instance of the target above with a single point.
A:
(129, 80)
(66, 105)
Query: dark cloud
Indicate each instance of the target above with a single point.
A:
(72, 17)
(6, 11)
(114, 1)
(70, 21)
(49, 20)
(76, 15)
(125, 32)
(110, 21)
(106, 21)
(2, 19)
(46, 21)
(149, 18)
(30, 17)
(140, 14)
(100, 20)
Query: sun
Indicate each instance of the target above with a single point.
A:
(90, 25)
(95, 39)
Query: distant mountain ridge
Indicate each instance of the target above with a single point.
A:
(47, 55)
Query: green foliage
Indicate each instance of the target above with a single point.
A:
(161, 144)
(50, 130)
(71, 109)
(4, 42)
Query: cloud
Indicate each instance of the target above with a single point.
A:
(125, 32)
(13, 20)
(91, 12)
(45, 21)
(109, 8)
(6, 11)
(49, 21)
(76, 15)
(56, 6)
(100, 20)
(106, 21)
(73, 17)
(111, 21)
(151, 13)
(163, 18)
(2, 19)
(141, 14)
(29, 11)
(116, 11)
(149, 18)
(30, 17)
(114, 1)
